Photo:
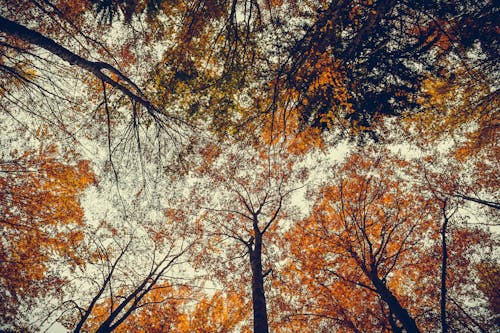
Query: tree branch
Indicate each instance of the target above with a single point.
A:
(33, 37)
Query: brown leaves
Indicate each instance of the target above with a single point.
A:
(237, 69)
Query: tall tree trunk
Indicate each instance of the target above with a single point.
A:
(260, 323)
(444, 325)
(395, 307)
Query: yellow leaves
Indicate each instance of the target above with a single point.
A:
(438, 92)
(321, 92)
(461, 106)
(23, 72)
(29, 73)
(305, 140)
(489, 283)
(276, 3)
(327, 77)
(285, 129)
(41, 210)
(218, 314)
(158, 312)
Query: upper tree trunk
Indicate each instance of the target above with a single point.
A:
(395, 307)
(260, 324)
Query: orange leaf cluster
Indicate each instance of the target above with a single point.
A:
(40, 218)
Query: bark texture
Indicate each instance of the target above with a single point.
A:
(260, 321)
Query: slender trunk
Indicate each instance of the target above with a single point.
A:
(260, 323)
(468, 316)
(395, 307)
(444, 325)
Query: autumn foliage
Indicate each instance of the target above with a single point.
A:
(249, 166)
(41, 216)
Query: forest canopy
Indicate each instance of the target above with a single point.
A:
(249, 166)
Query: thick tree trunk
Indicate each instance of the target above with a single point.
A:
(395, 307)
(260, 323)
(394, 326)
(104, 329)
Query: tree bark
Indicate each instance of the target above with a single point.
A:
(395, 307)
(104, 329)
(260, 321)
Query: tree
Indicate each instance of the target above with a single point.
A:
(444, 100)
(365, 224)
(199, 56)
(372, 236)
(126, 279)
(243, 194)
(41, 225)
(347, 63)
(454, 195)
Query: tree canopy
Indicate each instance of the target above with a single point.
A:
(249, 166)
